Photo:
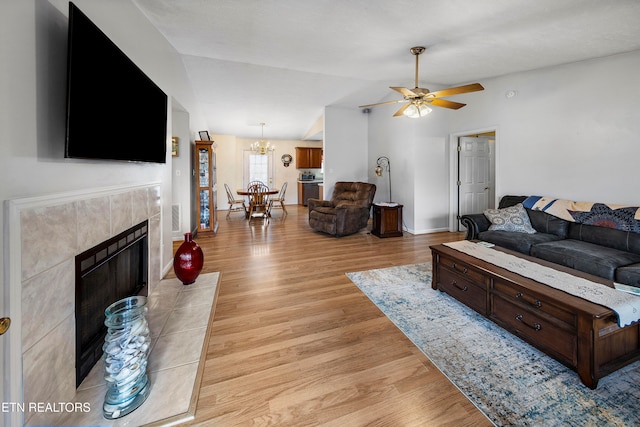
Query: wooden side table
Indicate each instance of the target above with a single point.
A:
(387, 220)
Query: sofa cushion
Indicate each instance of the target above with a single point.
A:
(546, 223)
(323, 219)
(521, 242)
(629, 275)
(588, 257)
(358, 194)
(325, 210)
(617, 239)
(514, 218)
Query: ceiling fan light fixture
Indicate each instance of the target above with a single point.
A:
(416, 110)
(418, 97)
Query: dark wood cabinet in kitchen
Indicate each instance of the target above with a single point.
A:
(307, 190)
(308, 158)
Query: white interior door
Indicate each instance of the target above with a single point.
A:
(476, 175)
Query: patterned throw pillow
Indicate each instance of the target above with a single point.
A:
(513, 218)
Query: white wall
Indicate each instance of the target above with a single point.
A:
(226, 162)
(182, 166)
(572, 131)
(345, 147)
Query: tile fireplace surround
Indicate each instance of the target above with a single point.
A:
(45, 234)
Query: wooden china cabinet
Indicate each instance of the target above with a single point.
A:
(206, 187)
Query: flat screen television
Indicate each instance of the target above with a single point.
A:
(114, 111)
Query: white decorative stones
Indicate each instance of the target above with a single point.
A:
(126, 349)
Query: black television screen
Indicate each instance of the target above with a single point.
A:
(114, 111)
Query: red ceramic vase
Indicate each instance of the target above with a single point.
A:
(188, 261)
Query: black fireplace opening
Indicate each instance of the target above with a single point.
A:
(106, 273)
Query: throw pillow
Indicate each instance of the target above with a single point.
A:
(513, 218)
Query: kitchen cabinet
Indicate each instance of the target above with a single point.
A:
(206, 186)
(308, 158)
(307, 190)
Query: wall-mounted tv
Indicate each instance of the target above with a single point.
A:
(114, 111)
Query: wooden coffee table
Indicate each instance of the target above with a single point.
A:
(580, 334)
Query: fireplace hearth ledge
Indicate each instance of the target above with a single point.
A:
(180, 321)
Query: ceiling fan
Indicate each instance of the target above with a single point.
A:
(419, 99)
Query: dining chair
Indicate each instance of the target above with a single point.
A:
(279, 200)
(252, 183)
(235, 205)
(259, 201)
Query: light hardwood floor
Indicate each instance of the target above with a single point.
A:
(295, 342)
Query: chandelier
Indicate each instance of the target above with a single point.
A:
(262, 146)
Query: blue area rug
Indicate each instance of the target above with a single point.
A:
(513, 383)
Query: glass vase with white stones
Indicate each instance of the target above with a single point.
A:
(126, 350)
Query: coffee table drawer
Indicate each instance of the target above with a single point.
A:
(536, 327)
(462, 289)
(525, 298)
(464, 270)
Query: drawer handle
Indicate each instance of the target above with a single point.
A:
(463, 270)
(535, 326)
(537, 304)
(463, 289)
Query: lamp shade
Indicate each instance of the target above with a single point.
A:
(416, 109)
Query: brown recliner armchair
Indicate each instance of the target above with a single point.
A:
(346, 213)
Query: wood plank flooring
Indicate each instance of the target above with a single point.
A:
(295, 342)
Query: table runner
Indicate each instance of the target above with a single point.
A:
(625, 305)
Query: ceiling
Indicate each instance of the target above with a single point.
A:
(282, 61)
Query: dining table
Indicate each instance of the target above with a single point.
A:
(255, 198)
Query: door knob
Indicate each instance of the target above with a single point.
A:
(5, 322)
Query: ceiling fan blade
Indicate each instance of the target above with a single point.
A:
(457, 90)
(381, 103)
(401, 110)
(444, 103)
(404, 91)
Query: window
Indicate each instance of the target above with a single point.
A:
(258, 167)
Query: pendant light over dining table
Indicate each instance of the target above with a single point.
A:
(262, 146)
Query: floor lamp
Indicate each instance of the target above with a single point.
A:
(384, 163)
